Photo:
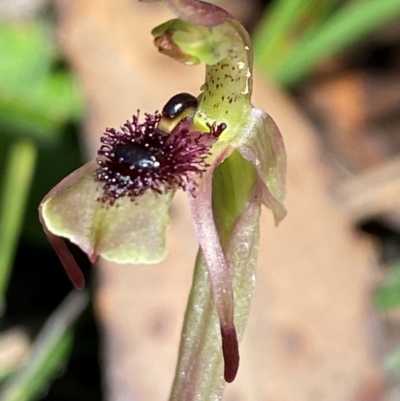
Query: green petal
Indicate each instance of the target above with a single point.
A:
(261, 143)
(126, 232)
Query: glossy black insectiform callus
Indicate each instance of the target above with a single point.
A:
(178, 104)
(134, 156)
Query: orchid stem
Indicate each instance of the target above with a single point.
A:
(20, 166)
(199, 369)
(199, 373)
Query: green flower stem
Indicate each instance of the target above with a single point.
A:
(20, 166)
(350, 23)
(198, 374)
(200, 364)
(49, 352)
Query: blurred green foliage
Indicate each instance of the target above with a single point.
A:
(297, 35)
(387, 297)
(35, 99)
(40, 101)
(18, 177)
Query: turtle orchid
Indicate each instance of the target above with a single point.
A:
(228, 156)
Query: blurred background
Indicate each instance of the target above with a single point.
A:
(325, 322)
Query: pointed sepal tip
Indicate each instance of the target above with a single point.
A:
(230, 350)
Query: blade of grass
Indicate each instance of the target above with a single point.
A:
(352, 22)
(269, 39)
(19, 170)
(49, 353)
(284, 25)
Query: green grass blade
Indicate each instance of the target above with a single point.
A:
(20, 166)
(352, 22)
(284, 25)
(269, 38)
(49, 353)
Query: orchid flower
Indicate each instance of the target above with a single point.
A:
(228, 156)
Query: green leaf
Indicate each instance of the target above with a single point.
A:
(20, 166)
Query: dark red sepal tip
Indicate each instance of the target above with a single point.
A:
(230, 350)
(71, 267)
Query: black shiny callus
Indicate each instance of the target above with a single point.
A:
(133, 156)
(178, 104)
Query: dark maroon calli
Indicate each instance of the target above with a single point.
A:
(141, 157)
